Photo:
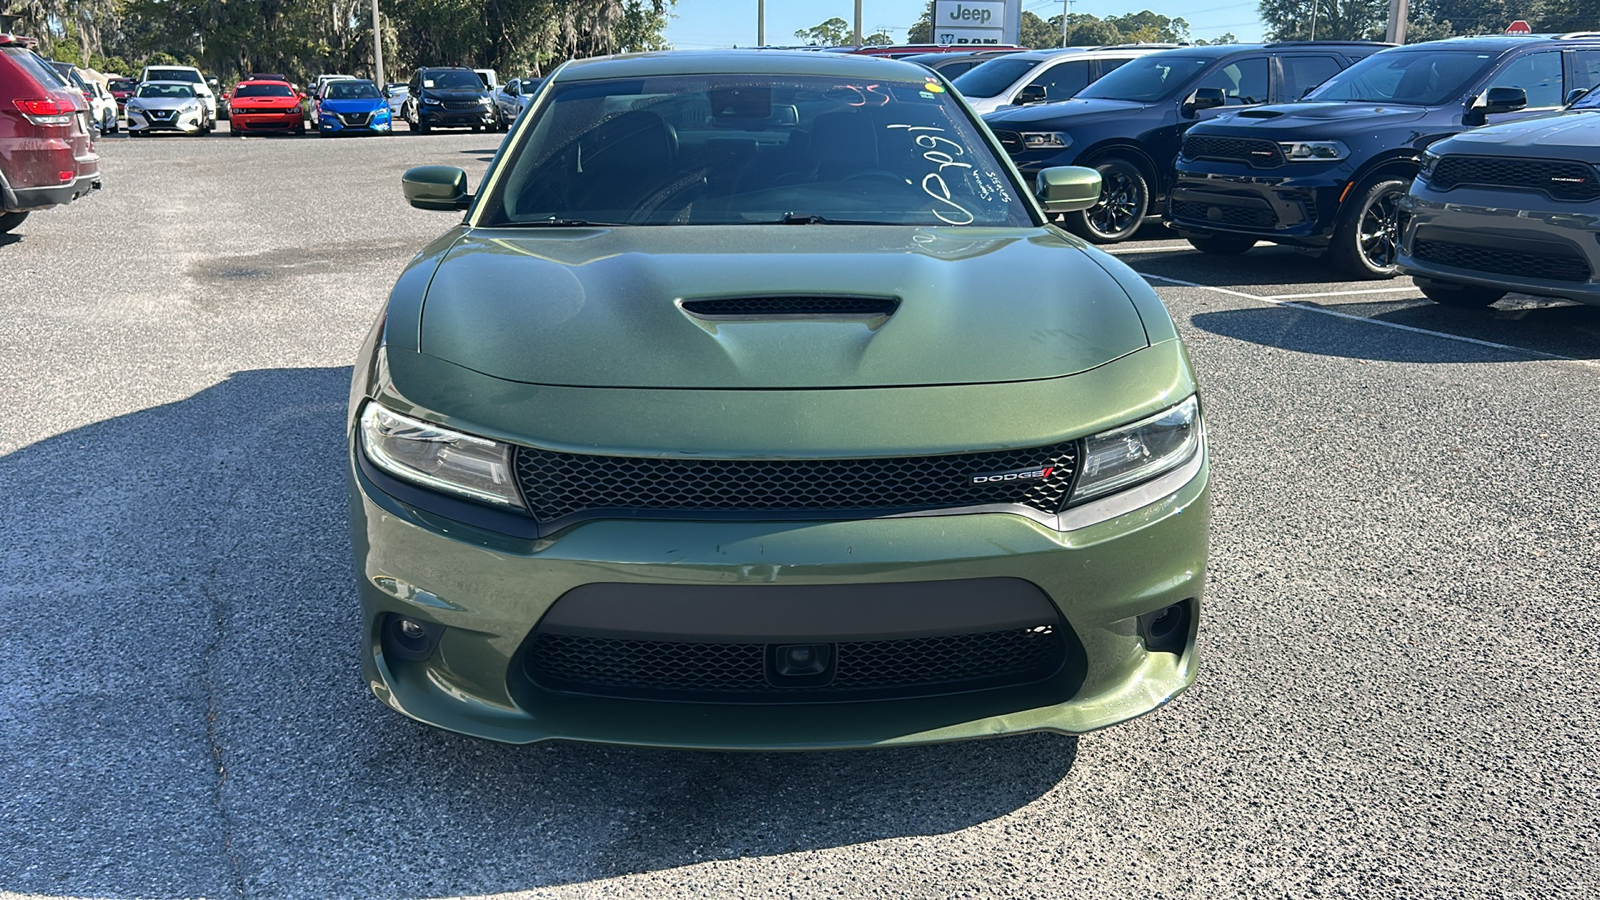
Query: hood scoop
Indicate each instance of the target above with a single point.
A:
(732, 309)
(1259, 114)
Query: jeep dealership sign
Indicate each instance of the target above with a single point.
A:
(976, 21)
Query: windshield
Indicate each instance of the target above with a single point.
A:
(747, 149)
(452, 80)
(165, 90)
(1409, 78)
(188, 75)
(1590, 100)
(990, 78)
(353, 90)
(1146, 79)
(263, 90)
(123, 84)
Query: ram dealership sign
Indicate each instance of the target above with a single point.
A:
(976, 21)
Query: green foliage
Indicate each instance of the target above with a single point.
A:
(230, 38)
(1336, 20)
(877, 39)
(1226, 38)
(835, 32)
(1038, 34)
(1429, 19)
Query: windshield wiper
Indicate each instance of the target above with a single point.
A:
(794, 218)
(554, 222)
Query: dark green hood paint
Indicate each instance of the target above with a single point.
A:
(597, 307)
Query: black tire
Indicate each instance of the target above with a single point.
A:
(1366, 242)
(1222, 244)
(1461, 296)
(1124, 204)
(421, 127)
(11, 220)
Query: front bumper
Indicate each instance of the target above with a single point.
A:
(434, 117)
(1296, 203)
(490, 591)
(148, 120)
(278, 121)
(380, 122)
(1510, 240)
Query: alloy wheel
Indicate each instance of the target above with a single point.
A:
(1378, 231)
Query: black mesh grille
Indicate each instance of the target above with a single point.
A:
(1253, 151)
(712, 672)
(1010, 141)
(1242, 216)
(359, 118)
(792, 306)
(1558, 178)
(1560, 264)
(557, 485)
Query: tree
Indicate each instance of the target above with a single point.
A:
(835, 32)
(1036, 33)
(1226, 38)
(1336, 20)
(921, 31)
(1149, 27)
(878, 39)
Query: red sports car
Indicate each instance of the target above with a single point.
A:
(262, 106)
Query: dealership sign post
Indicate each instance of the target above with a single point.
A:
(976, 21)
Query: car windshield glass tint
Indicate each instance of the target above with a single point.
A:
(993, 76)
(174, 75)
(263, 90)
(1147, 79)
(452, 81)
(41, 71)
(1590, 100)
(1412, 78)
(167, 91)
(741, 149)
(353, 90)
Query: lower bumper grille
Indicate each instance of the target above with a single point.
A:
(1218, 214)
(1557, 264)
(743, 672)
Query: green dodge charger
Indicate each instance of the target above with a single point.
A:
(756, 403)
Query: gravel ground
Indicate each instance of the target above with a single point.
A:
(1397, 696)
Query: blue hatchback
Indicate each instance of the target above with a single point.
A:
(353, 106)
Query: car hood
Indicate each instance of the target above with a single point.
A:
(1311, 121)
(368, 104)
(164, 102)
(600, 307)
(1574, 135)
(434, 94)
(271, 102)
(1065, 112)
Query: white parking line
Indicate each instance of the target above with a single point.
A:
(1409, 287)
(1444, 335)
(1129, 251)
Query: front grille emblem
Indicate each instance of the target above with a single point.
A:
(1035, 474)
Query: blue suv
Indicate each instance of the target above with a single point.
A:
(1329, 173)
(1129, 123)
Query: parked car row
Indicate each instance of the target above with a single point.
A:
(47, 153)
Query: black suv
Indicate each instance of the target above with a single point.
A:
(1129, 123)
(1328, 173)
(448, 97)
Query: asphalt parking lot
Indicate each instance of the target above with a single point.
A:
(1399, 679)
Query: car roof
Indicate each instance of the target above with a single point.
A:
(738, 62)
(1500, 43)
(262, 81)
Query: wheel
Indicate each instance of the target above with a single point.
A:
(108, 123)
(301, 128)
(1124, 203)
(1222, 244)
(1466, 296)
(476, 129)
(11, 220)
(1367, 238)
(421, 127)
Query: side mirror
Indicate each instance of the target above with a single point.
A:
(436, 187)
(1204, 98)
(1033, 93)
(1497, 100)
(1063, 189)
(1574, 95)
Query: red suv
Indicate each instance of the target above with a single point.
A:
(47, 156)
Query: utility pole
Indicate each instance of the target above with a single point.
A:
(1313, 19)
(377, 49)
(858, 23)
(1398, 10)
(1066, 5)
(761, 23)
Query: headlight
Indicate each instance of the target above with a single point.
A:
(429, 101)
(1045, 140)
(485, 101)
(437, 457)
(1123, 457)
(1313, 151)
(191, 107)
(1430, 159)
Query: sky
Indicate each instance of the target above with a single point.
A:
(703, 24)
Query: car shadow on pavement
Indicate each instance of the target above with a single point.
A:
(1539, 327)
(184, 712)
(1267, 266)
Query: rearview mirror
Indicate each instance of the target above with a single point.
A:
(1204, 98)
(436, 187)
(1063, 189)
(1574, 95)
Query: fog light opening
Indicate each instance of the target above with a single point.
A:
(1166, 630)
(410, 639)
(800, 665)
